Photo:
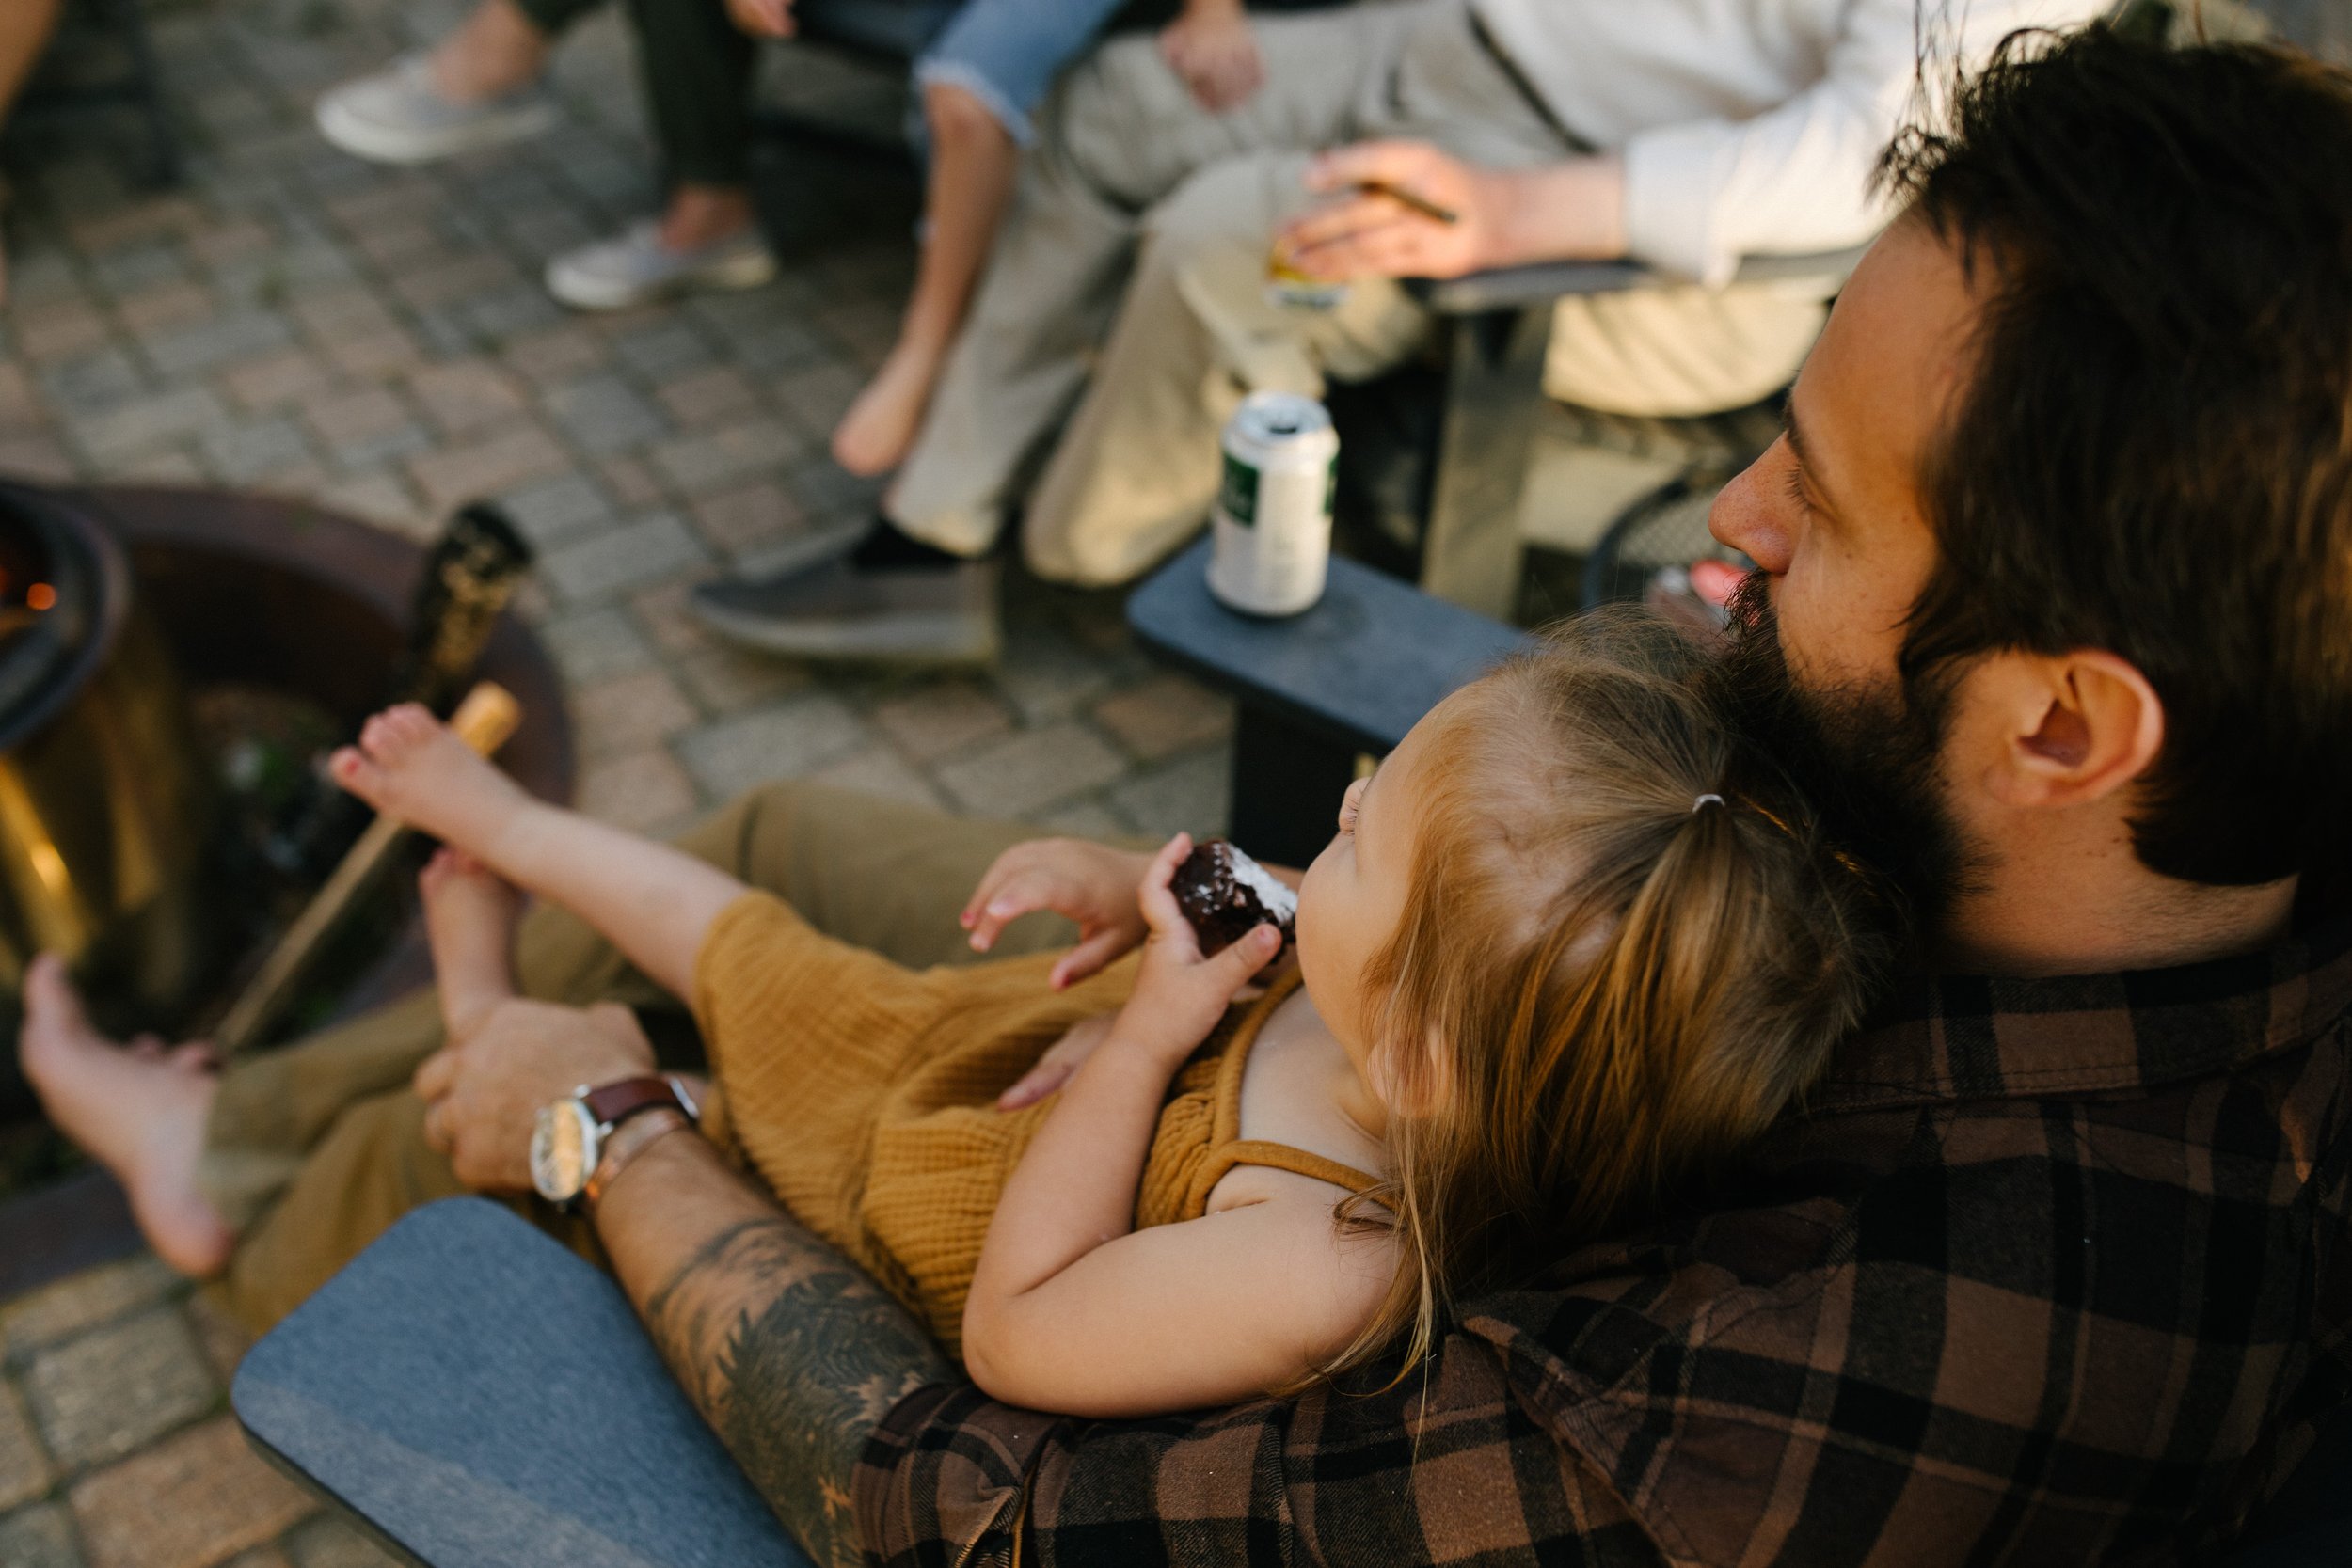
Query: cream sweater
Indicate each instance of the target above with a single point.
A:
(1747, 126)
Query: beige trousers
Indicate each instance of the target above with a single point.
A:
(1126, 291)
(313, 1150)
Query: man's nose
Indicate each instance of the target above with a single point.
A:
(1751, 516)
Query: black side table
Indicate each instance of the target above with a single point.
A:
(1317, 690)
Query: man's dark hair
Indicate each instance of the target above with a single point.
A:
(2155, 456)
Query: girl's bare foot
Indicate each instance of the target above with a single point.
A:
(470, 923)
(873, 438)
(410, 766)
(139, 1114)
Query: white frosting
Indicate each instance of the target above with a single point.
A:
(1280, 901)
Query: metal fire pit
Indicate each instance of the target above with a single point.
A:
(106, 810)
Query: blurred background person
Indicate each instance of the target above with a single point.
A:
(982, 70)
(979, 81)
(1125, 311)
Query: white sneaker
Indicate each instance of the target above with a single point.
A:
(398, 116)
(636, 267)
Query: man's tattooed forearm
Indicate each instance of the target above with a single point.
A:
(794, 1356)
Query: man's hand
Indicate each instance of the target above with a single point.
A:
(763, 19)
(1212, 50)
(1368, 232)
(1572, 209)
(484, 1090)
(1091, 884)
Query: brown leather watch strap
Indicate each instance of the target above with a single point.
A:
(625, 1145)
(614, 1103)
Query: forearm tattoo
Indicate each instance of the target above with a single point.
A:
(794, 1356)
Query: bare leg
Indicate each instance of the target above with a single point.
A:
(699, 215)
(972, 169)
(140, 1113)
(470, 923)
(496, 50)
(653, 902)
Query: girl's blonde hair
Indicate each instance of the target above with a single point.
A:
(1602, 986)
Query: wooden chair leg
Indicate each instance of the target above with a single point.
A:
(1471, 552)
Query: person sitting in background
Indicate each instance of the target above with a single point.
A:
(985, 66)
(24, 29)
(1125, 304)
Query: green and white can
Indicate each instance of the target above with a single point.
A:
(1272, 525)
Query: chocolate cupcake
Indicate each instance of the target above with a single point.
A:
(1226, 896)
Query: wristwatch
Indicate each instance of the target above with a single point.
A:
(569, 1138)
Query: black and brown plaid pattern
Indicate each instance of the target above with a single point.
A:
(2050, 1271)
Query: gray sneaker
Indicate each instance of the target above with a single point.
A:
(398, 116)
(636, 268)
(834, 609)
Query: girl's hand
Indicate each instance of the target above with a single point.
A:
(1180, 995)
(1061, 1060)
(1091, 884)
(1212, 50)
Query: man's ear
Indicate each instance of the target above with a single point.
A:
(2074, 726)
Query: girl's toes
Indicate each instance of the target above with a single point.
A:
(353, 769)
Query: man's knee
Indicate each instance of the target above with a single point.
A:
(776, 822)
(1099, 123)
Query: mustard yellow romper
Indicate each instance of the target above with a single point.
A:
(862, 1093)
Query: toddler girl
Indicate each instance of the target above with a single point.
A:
(1565, 954)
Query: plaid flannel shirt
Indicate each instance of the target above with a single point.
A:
(2049, 1271)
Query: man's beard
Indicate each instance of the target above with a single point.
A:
(1865, 758)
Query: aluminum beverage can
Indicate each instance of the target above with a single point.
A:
(1272, 525)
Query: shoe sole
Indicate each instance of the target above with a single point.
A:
(895, 639)
(749, 271)
(382, 145)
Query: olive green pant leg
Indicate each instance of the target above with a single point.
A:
(314, 1149)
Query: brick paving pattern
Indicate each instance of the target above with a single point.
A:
(376, 340)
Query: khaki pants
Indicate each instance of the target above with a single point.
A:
(313, 1150)
(1126, 291)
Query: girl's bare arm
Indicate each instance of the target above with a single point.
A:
(652, 902)
(1074, 1309)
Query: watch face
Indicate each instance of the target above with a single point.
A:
(563, 1150)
